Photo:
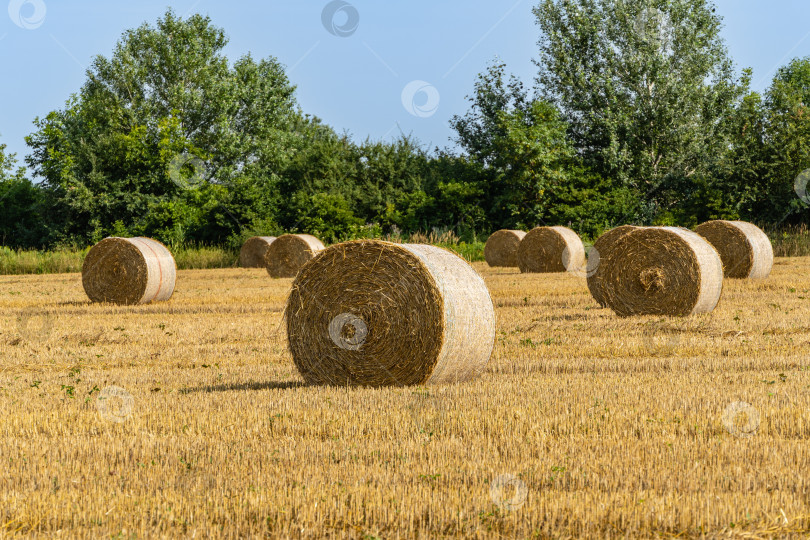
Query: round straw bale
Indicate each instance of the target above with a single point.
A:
(253, 250)
(744, 248)
(129, 271)
(599, 250)
(288, 253)
(551, 249)
(501, 248)
(374, 313)
(662, 271)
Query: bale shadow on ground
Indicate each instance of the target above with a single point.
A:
(272, 385)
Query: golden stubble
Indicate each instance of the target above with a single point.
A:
(583, 423)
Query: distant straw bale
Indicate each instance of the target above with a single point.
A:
(745, 250)
(288, 253)
(502, 246)
(129, 271)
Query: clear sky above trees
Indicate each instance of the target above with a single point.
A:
(355, 82)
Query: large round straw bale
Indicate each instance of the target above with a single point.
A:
(662, 271)
(551, 249)
(501, 248)
(374, 313)
(129, 271)
(745, 250)
(253, 251)
(599, 250)
(288, 253)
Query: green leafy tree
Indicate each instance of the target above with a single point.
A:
(166, 139)
(531, 173)
(452, 197)
(787, 145)
(540, 179)
(646, 87)
(477, 130)
(769, 148)
(22, 223)
(738, 183)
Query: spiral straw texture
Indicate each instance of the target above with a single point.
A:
(502, 246)
(288, 253)
(662, 271)
(129, 271)
(551, 249)
(253, 251)
(599, 250)
(374, 313)
(745, 250)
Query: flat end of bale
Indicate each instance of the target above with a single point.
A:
(601, 248)
(254, 250)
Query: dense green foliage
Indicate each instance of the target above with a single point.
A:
(645, 86)
(638, 116)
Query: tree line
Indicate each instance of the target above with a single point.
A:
(637, 115)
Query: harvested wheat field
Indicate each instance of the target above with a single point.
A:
(188, 418)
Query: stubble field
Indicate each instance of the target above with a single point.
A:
(188, 418)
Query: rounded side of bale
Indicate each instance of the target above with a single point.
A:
(501, 248)
(662, 271)
(745, 249)
(551, 249)
(288, 253)
(374, 313)
(129, 271)
(599, 250)
(253, 251)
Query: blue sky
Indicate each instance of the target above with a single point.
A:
(404, 66)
